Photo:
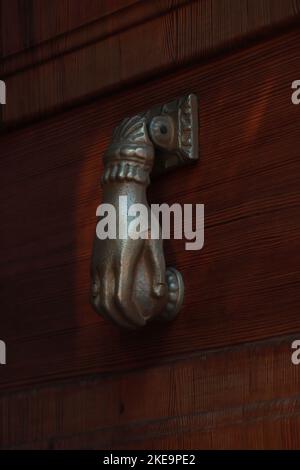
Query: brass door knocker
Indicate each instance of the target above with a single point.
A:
(130, 283)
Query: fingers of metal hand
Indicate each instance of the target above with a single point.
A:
(124, 291)
(108, 304)
(157, 265)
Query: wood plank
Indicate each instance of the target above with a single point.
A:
(261, 433)
(244, 284)
(84, 64)
(204, 401)
(37, 21)
(109, 21)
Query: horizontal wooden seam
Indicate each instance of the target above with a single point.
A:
(176, 426)
(88, 378)
(73, 40)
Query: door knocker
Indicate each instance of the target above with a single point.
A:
(131, 285)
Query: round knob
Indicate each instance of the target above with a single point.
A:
(162, 131)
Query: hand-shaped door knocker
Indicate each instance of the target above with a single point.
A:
(130, 283)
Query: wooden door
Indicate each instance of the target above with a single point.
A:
(221, 376)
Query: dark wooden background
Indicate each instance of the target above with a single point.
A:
(221, 375)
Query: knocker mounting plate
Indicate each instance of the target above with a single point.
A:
(173, 129)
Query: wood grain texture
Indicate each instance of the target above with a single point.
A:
(95, 58)
(244, 284)
(109, 23)
(243, 397)
(37, 21)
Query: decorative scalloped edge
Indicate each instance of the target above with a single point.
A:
(124, 171)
